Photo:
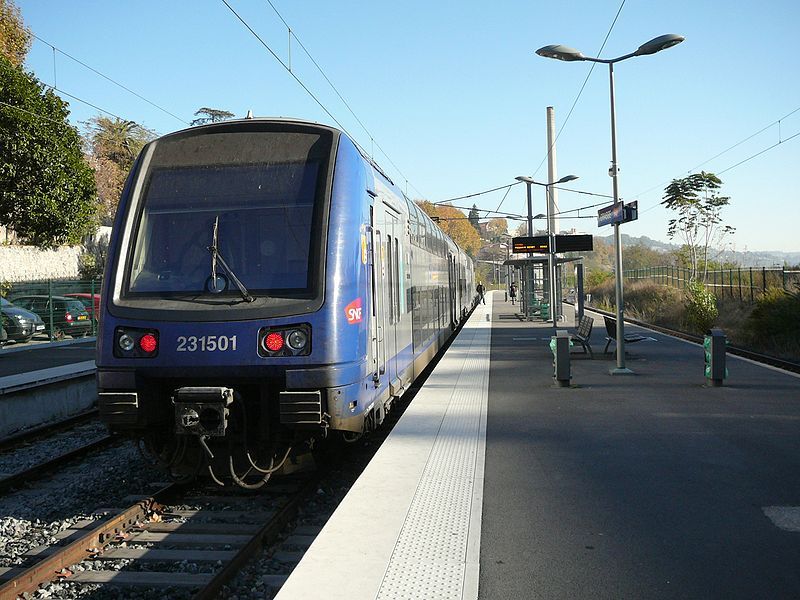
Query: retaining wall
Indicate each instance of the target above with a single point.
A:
(27, 263)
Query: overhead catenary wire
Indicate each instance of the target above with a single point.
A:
(502, 187)
(288, 69)
(580, 92)
(736, 145)
(104, 76)
(33, 114)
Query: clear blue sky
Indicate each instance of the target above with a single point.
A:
(454, 94)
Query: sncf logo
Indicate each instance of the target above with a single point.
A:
(353, 311)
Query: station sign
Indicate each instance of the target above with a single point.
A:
(608, 215)
(618, 212)
(538, 244)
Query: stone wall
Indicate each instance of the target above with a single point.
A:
(26, 263)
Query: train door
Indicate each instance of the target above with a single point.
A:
(392, 298)
(378, 312)
(452, 278)
(379, 278)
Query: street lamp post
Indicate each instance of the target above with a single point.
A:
(527, 271)
(550, 237)
(566, 53)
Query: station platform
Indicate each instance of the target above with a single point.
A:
(43, 382)
(498, 484)
(20, 359)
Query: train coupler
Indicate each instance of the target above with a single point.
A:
(202, 411)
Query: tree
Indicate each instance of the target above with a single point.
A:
(640, 256)
(117, 140)
(696, 200)
(109, 179)
(497, 228)
(453, 222)
(474, 219)
(114, 145)
(212, 115)
(521, 230)
(47, 191)
(15, 38)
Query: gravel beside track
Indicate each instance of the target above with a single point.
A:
(32, 517)
(29, 454)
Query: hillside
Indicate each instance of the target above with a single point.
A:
(747, 258)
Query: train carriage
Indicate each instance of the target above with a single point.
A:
(266, 285)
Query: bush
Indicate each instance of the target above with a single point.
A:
(701, 308)
(774, 324)
(598, 278)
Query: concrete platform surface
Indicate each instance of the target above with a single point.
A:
(498, 484)
(410, 526)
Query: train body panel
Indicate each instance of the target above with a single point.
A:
(266, 283)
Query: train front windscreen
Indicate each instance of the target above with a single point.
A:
(229, 214)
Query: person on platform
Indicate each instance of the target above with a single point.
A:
(480, 289)
(512, 292)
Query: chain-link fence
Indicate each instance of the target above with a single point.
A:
(50, 310)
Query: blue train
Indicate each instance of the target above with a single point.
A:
(267, 285)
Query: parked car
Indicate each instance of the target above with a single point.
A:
(20, 324)
(69, 315)
(91, 302)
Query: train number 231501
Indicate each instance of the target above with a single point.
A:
(206, 343)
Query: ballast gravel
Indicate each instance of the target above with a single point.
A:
(33, 517)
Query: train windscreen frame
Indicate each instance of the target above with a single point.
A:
(258, 198)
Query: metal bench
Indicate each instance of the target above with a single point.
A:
(583, 333)
(611, 334)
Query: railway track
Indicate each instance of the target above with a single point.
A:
(21, 478)
(173, 527)
(29, 435)
(698, 339)
(180, 542)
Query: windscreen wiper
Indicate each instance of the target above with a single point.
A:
(213, 281)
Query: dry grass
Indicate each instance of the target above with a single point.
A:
(770, 326)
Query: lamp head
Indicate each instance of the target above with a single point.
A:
(658, 44)
(525, 179)
(560, 52)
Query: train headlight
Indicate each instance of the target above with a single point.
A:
(132, 342)
(291, 340)
(126, 342)
(297, 339)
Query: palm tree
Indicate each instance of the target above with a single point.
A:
(117, 140)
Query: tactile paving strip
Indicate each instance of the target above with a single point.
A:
(430, 557)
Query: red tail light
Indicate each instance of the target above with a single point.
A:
(68, 316)
(273, 342)
(148, 343)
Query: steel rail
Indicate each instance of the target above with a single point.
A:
(84, 547)
(265, 536)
